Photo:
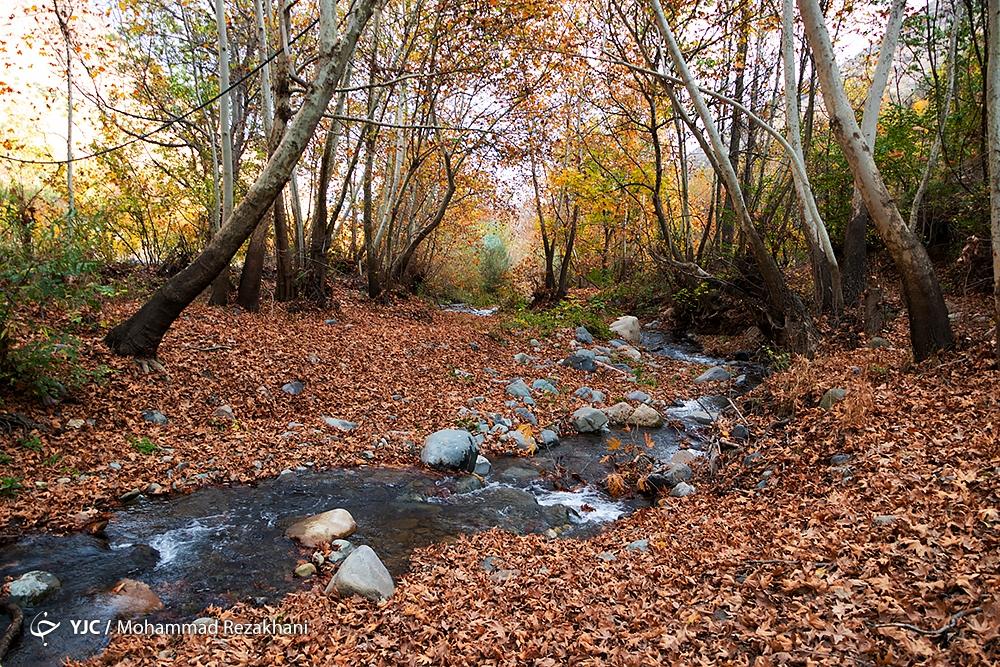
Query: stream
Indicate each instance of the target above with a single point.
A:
(224, 544)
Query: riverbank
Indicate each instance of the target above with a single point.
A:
(817, 542)
(221, 413)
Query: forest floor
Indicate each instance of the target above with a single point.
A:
(888, 554)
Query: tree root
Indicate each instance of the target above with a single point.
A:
(147, 366)
(934, 632)
(14, 629)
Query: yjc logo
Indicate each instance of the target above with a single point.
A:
(41, 627)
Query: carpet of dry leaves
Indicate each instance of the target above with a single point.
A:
(782, 558)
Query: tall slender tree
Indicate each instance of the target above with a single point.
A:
(930, 330)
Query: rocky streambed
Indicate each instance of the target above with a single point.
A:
(168, 558)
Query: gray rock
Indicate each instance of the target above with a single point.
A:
(549, 438)
(483, 466)
(645, 416)
(681, 490)
(597, 396)
(154, 417)
(474, 346)
(884, 519)
(616, 342)
(362, 573)
(544, 385)
(340, 424)
(524, 442)
(450, 448)
(685, 456)
(840, 459)
(629, 352)
(878, 342)
(619, 413)
(294, 388)
(468, 484)
(832, 397)
(589, 420)
(713, 374)
(638, 545)
(518, 389)
(339, 550)
(224, 412)
(519, 475)
(669, 477)
(584, 336)
(584, 393)
(523, 358)
(581, 360)
(33, 586)
(526, 416)
(740, 432)
(114, 465)
(607, 556)
(639, 396)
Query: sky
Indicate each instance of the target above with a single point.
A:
(33, 109)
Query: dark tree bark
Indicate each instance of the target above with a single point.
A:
(141, 334)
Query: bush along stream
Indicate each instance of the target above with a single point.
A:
(166, 559)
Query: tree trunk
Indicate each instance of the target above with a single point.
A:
(930, 329)
(855, 264)
(319, 242)
(993, 113)
(63, 18)
(735, 127)
(567, 257)
(141, 334)
(826, 271)
(787, 313)
(220, 288)
(248, 293)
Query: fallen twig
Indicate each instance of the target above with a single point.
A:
(944, 629)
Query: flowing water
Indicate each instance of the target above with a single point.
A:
(224, 544)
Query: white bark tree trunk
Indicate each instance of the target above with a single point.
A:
(220, 288)
(993, 113)
(855, 247)
(930, 329)
(815, 230)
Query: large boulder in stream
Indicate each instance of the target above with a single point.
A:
(362, 573)
(450, 448)
(322, 528)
